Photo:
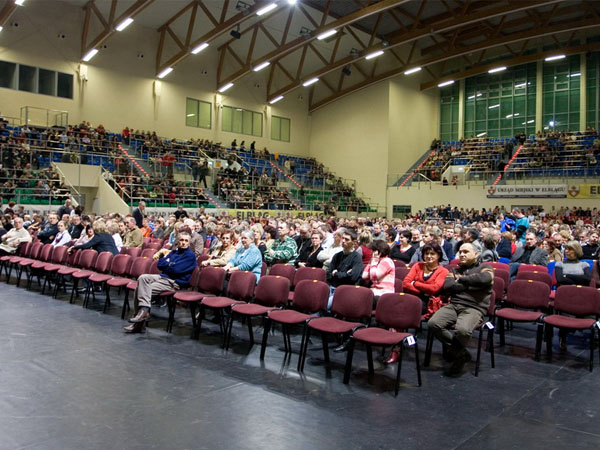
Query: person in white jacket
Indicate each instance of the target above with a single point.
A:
(14, 237)
(326, 255)
(62, 237)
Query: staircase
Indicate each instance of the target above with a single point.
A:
(128, 153)
(507, 166)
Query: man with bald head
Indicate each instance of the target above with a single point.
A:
(469, 287)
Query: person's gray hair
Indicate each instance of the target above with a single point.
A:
(249, 234)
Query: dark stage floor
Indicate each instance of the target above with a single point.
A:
(70, 379)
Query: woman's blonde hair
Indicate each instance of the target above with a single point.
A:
(99, 226)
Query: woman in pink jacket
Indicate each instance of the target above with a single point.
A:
(381, 271)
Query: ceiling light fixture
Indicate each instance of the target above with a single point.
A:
(275, 100)
(199, 48)
(262, 66)
(446, 83)
(89, 55)
(266, 9)
(374, 54)
(497, 69)
(224, 88)
(326, 34)
(413, 70)
(124, 24)
(555, 58)
(165, 72)
(19, 2)
(309, 82)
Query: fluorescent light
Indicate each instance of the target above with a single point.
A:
(224, 88)
(479, 95)
(578, 74)
(326, 34)
(199, 48)
(124, 24)
(554, 58)
(19, 2)
(309, 82)
(89, 55)
(374, 54)
(275, 100)
(261, 66)
(509, 116)
(520, 85)
(494, 106)
(191, 115)
(482, 134)
(413, 70)
(266, 9)
(446, 83)
(292, 2)
(165, 72)
(531, 121)
(497, 69)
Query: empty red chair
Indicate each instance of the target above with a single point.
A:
(65, 270)
(209, 283)
(119, 266)
(283, 270)
(239, 290)
(397, 311)
(310, 297)
(134, 252)
(536, 275)
(398, 263)
(351, 305)
(401, 272)
(270, 293)
(505, 275)
(307, 273)
(7, 261)
(148, 253)
(531, 268)
(398, 285)
(498, 288)
(577, 308)
(499, 265)
(102, 266)
(23, 264)
(86, 263)
(37, 268)
(137, 267)
(59, 257)
(530, 299)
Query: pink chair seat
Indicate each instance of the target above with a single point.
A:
(288, 316)
(26, 262)
(167, 293)
(219, 302)
(100, 277)
(518, 315)
(15, 259)
(379, 336)
(39, 265)
(251, 309)
(291, 296)
(573, 323)
(118, 282)
(82, 274)
(5, 258)
(189, 296)
(132, 285)
(64, 270)
(332, 325)
(52, 267)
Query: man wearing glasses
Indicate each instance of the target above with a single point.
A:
(176, 267)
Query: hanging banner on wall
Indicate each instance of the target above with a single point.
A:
(527, 190)
(584, 191)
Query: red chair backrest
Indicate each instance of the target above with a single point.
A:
(504, 274)
(498, 265)
(498, 287)
(353, 302)
(24, 249)
(272, 290)
(121, 264)
(544, 277)
(211, 280)
(401, 272)
(309, 273)
(528, 294)
(36, 249)
(311, 295)
(531, 268)
(398, 285)
(103, 262)
(46, 253)
(124, 250)
(59, 255)
(88, 258)
(148, 253)
(577, 300)
(399, 311)
(398, 263)
(134, 252)
(263, 270)
(202, 257)
(153, 267)
(241, 285)
(140, 266)
(283, 270)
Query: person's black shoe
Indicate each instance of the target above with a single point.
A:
(448, 353)
(456, 369)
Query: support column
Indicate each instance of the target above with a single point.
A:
(582, 91)
(539, 79)
(461, 108)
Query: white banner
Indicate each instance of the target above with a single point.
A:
(527, 190)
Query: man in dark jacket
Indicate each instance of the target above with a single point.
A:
(469, 287)
(50, 229)
(75, 227)
(176, 269)
(139, 213)
(528, 254)
(346, 266)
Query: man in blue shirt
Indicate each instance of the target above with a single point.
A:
(176, 267)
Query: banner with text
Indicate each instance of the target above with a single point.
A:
(584, 191)
(527, 190)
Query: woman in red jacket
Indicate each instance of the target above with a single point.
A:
(424, 280)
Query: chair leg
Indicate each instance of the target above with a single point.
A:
(303, 349)
(250, 331)
(400, 354)
(417, 362)
(592, 335)
(538, 340)
(74, 290)
(263, 347)
(325, 347)
(549, 337)
(370, 361)
(479, 342)
(491, 344)
(348, 367)
(125, 304)
(106, 298)
(428, 348)
(501, 328)
(227, 338)
(193, 315)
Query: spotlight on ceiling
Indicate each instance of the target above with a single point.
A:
(305, 32)
(346, 71)
(242, 7)
(236, 33)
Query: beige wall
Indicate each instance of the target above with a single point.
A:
(120, 87)
(108, 201)
(350, 136)
(423, 195)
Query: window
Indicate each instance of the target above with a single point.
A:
(449, 113)
(280, 129)
(593, 89)
(560, 90)
(36, 80)
(501, 105)
(198, 113)
(242, 121)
